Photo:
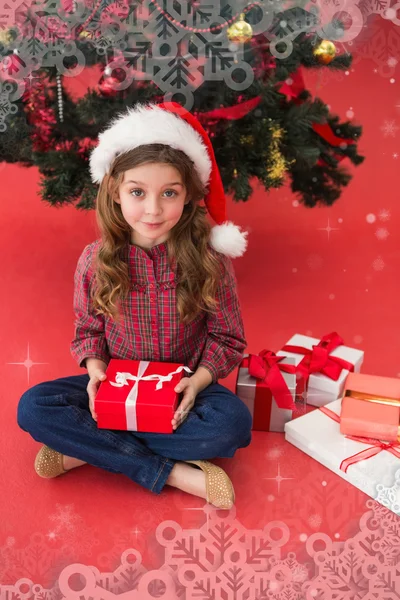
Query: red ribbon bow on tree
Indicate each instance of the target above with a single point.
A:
(266, 368)
(291, 90)
(319, 360)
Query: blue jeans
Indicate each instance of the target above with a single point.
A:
(57, 414)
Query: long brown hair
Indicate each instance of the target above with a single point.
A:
(197, 267)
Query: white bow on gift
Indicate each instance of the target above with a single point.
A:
(121, 379)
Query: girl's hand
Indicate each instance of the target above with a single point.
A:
(186, 385)
(96, 377)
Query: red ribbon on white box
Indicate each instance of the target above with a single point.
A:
(122, 378)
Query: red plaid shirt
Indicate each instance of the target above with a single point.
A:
(150, 328)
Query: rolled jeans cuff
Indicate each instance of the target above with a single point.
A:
(162, 475)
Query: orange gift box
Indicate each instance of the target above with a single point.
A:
(371, 407)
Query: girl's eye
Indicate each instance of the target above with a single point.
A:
(139, 190)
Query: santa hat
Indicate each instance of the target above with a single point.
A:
(171, 124)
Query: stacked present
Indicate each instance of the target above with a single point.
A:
(267, 385)
(138, 396)
(277, 387)
(371, 407)
(357, 436)
(355, 429)
(322, 366)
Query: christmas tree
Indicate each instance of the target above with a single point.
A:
(238, 71)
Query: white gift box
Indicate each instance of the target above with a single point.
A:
(321, 389)
(246, 386)
(318, 435)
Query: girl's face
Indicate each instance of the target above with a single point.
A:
(152, 197)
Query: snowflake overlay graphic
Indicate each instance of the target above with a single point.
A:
(378, 264)
(390, 496)
(382, 233)
(134, 36)
(389, 128)
(384, 214)
(223, 559)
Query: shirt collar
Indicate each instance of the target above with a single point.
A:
(152, 252)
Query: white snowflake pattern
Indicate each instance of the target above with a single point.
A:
(395, 155)
(384, 214)
(390, 496)
(300, 573)
(389, 128)
(315, 521)
(378, 264)
(64, 517)
(275, 452)
(382, 233)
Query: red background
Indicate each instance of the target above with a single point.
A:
(293, 278)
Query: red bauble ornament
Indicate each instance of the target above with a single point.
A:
(107, 86)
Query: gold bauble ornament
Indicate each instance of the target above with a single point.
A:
(85, 34)
(240, 32)
(325, 52)
(5, 37)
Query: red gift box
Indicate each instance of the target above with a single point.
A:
(267, 386)
(138, 396)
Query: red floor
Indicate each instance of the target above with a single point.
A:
(310, 271)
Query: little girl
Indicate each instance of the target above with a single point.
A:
(159, 285)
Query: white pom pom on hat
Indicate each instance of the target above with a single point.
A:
(171, 124)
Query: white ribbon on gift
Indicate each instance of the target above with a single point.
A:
(122, 378)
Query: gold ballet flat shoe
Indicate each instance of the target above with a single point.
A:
(49, 463)
(219, 488)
